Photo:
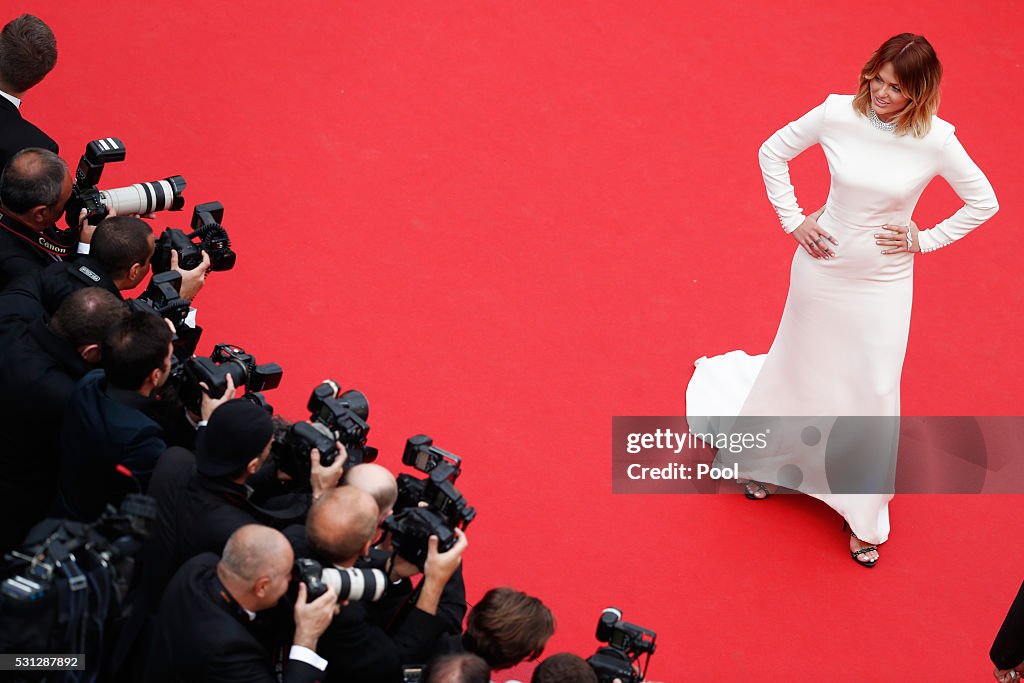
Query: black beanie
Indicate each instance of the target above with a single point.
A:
(237, 432)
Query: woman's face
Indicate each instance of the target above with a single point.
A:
(887, 96)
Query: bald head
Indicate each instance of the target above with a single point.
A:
(254, 551)
(34, 178)
(341, 524)
(378, 482)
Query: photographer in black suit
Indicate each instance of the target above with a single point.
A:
(28, 51)
(118, 260)
(37, 377)
(217, 622)
(205, 497)
(231, 483)
(340, 527)
(34, 188)
(122, 248)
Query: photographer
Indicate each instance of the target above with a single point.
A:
(28, 52)
(340, 527)
(380, 483)
(205, 497)
(37, 379)
(225, 492)
(505, 628)
(217, 620)
(34, 188)
(119, 260)
(109, 445)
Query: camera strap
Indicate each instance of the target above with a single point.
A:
(36, 239)
(229, 603)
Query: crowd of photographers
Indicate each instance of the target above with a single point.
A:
(158, 517)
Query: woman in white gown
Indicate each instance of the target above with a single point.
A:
(843, 336)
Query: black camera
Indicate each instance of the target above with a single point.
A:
(140, 198)
(214, 371)
(349, 584)
(163, 297)
(445, 509)
(334, 416)
(212, 238)
(626, 643)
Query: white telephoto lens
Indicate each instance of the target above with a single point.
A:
(356, 584)
(139, 198)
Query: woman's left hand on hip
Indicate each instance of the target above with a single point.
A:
(899, 239)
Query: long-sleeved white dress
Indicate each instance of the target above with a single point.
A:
(841, 343)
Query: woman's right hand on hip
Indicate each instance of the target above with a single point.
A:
(812, 238)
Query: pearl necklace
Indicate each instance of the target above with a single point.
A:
(887, 126)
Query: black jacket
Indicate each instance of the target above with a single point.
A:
(104, 428)
(1008, 649)
(209, 510)
(358, 650)
(19, 253)
(17, 134)
(38, 294)
(202, 635)
(37, 378)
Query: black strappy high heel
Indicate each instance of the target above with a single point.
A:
(856, 553)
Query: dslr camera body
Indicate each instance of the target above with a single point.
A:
(445, 508)
(335, 416)
(226, 360)
(626, 643)
(162, 297)
(140, 198)
(212, 238)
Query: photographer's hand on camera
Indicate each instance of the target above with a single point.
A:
(191, 280)
(209, 403)
(438, 569)
(85, 229)
(322, 478)
(313, 618)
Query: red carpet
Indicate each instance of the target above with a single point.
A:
(508, 222)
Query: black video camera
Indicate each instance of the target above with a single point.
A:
(140, 198)
(412, 525)
(626, 642)
(214, 371)
(334, 416)
(213, 239)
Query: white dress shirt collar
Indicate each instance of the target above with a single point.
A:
(14, 100)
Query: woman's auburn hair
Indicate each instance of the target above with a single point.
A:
(918, 72)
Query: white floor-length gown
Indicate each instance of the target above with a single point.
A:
(843, 336)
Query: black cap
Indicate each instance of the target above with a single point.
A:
(237, 432)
